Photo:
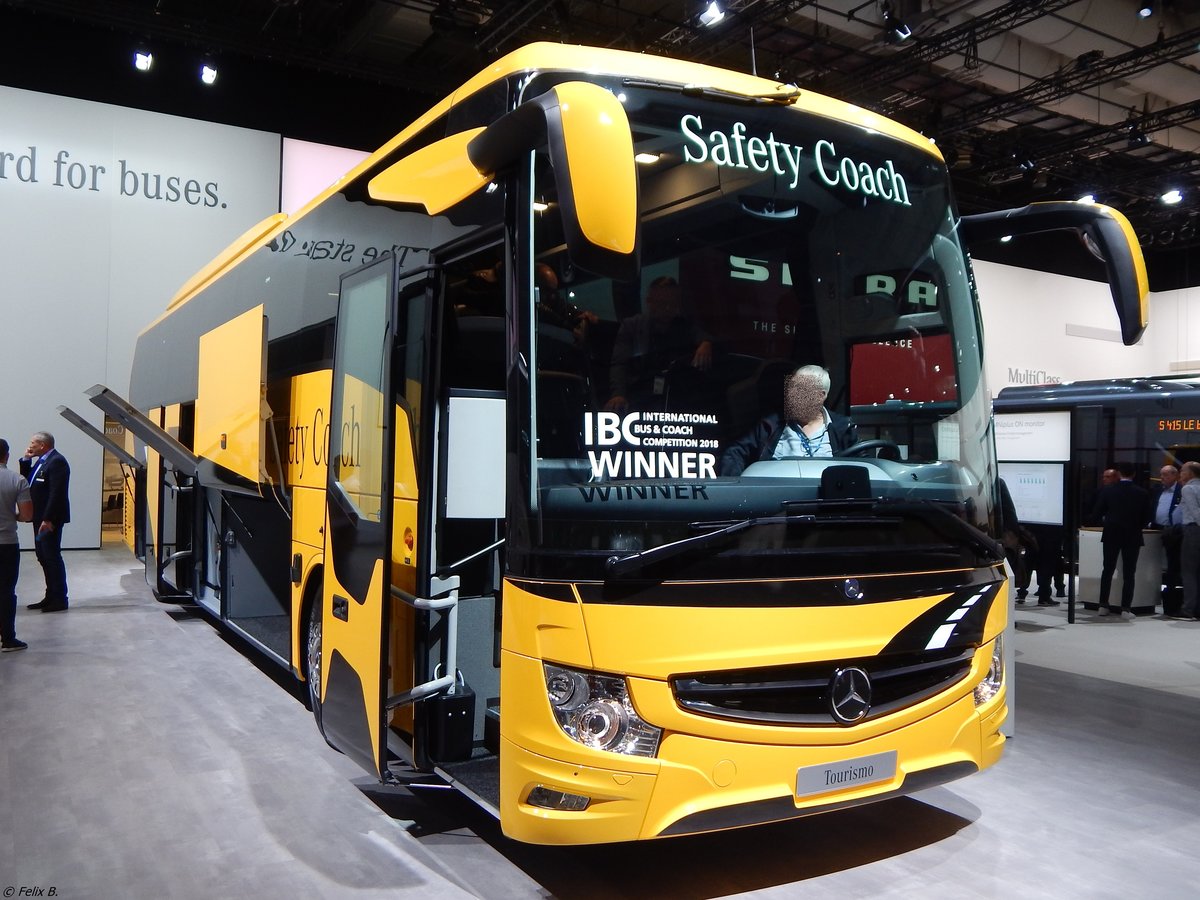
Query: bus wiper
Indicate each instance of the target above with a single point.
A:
(785, 94)
(943, 520)
(624, 566)
(617, 567)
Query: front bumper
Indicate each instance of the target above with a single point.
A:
(700, 783)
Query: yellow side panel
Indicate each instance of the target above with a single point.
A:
(544, 629)
(231, 411)
(361, 466)
(437, 176)
(308, 516)
(405, 511)
(308, 434)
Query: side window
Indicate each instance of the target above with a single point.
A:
(359, 391)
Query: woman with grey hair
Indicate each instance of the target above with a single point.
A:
(805, 429)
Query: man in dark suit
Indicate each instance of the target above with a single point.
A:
(1124, 510)
(49, 479)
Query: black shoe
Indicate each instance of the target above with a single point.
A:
(14, 644)
(1020, 601)
(1060, 593)
(1046, 601)
(37, 605)
(1022, 594)
(54, 607)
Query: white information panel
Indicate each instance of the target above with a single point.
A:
(1036, 490)
(1034, 436)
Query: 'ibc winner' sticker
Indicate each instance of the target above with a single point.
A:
(668, 445)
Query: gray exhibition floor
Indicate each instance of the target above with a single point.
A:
(142, 755)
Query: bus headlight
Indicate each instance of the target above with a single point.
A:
(991, 683)
(595, 711)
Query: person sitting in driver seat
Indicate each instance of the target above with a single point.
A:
(806, 428)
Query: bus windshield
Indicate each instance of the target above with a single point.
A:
(664, 408)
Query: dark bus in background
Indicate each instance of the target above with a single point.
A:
(1149, 422)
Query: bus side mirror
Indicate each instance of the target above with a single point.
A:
(587, 134)
(1107, 234)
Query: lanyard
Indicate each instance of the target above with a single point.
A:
(37, 468)
(813, 444)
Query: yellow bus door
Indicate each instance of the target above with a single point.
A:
(371, 483)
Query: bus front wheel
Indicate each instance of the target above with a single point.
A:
(312, 665)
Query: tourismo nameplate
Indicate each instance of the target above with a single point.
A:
(846, 774)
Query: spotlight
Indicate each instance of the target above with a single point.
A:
(1087, 198)
(1145, 9)
(1172, 196)
(143, 60)
(894, 30)
(1137, 137)
(208, 73)
(712, 15)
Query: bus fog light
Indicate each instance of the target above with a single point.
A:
(548, 798)
(595, 710)
(989, 686)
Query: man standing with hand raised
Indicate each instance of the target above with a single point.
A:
(49, 479)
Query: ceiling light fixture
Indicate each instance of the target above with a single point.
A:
(894, 30)
(712, 15)
(1087, 198)
(208, 73)
(1172, 196)
(143, 60)
(1145, 9)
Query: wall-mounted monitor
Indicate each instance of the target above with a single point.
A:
(1036, 490)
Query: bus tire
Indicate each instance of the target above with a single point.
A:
(313, 655)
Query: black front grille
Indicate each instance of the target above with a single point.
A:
(798, 695)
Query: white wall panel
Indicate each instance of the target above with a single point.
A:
(1041, 328)
(104, 213)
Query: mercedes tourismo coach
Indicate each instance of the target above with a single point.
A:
(448, 443)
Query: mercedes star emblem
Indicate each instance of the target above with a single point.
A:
(849, 695)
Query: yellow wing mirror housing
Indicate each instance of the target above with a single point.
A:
(587, 134)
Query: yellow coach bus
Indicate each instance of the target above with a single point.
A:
(453, 443)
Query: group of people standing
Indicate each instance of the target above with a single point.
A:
(37, 493)
(1124, 509)
(1177, 514)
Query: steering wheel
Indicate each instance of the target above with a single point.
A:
(880, 449)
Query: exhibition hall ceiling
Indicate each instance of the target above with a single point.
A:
(1029, 100)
